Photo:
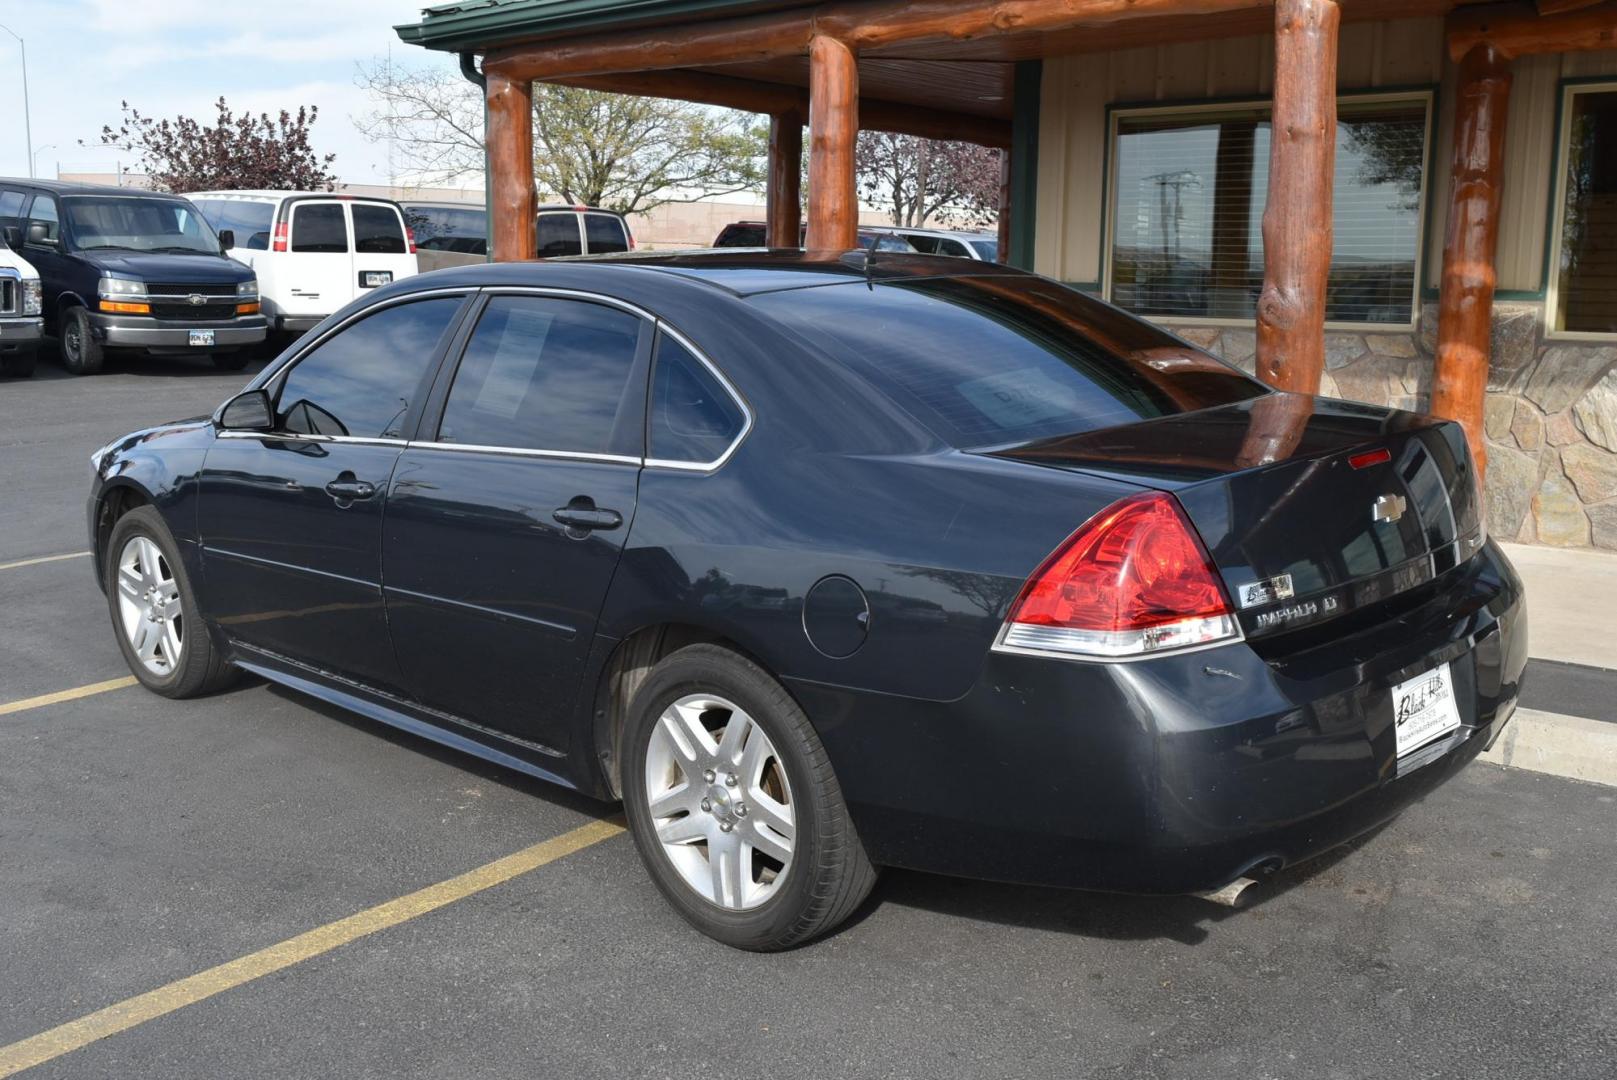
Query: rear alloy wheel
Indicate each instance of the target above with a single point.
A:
(733, 805)
(81, 352)
(154, 612)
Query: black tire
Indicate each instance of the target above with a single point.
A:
(201, 668)
(231, 361)
(82, 354)
(829, 875)
(19, 364)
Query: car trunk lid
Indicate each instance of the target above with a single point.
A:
(1309, 508)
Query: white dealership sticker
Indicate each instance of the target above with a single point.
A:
(1423, 709)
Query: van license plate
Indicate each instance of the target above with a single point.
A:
(1423, 709)
(199, 337)
(372, 279)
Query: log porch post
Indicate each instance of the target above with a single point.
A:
(1465, 301)
(783, 199)
(512, 202)
(1005, 207)
(1297, 216)
(833, 207)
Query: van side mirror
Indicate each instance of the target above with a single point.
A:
(249, 410)
(227, 239)
(40, 235)
(12, 236)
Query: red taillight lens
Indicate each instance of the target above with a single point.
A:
(1378, 456)
(1134, 579)
(279, 241)
(409, 239)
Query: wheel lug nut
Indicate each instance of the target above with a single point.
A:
(741, 809)
(726, 826)
(708, 775)
(729, 779)
(707, 806)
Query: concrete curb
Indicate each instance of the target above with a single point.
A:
(1569, 746)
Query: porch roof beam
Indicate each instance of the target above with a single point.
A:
(861, 24)
(753, 95)
(1520, 30)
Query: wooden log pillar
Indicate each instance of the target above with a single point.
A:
(1465, 301)
(1297, 216)
(512, 203)
(783, 199)
(1005, 207)
(833, 205)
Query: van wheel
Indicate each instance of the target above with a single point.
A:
(733, 805)
(81, 353)
(230, 361)
(19, 364)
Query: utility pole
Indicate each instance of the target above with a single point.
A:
(27, 118)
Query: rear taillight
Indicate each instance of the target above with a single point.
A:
(1134, 580)
(409, 239)
(279, 242)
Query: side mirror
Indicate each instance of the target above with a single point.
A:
(39, 235)
(227, 239)
(248, 411)
(12, 236)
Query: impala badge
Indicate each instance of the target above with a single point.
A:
(1266, 591)
(1387, 508)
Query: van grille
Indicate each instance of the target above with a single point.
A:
(194, 311)
(155, 290)
(10, 296)
(173, 301)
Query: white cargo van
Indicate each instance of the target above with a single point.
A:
(313, 252)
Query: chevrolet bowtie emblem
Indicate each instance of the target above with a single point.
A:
(1388, 508)
(196, 299)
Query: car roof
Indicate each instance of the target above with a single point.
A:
(66, 187)
(957, 234)
(280, 195)
(735, 271)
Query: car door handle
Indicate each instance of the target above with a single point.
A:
(348, 489)
(587, 517)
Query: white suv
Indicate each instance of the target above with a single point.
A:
(20, 321)
(313, 252)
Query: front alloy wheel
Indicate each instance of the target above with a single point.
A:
(149, 607)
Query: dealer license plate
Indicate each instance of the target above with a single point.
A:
(376, 278)
(199, 337)
(1424, 710)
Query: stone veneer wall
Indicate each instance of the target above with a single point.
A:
(1551, 415)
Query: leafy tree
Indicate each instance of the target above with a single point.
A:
(243, 151)
(917, 179)
(618, 151)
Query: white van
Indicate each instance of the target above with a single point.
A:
(20, 318)
(313, 252)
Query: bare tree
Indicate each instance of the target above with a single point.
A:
(243, 151)
(917, 179)
(623, 152)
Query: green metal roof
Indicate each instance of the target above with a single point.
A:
(479, 25)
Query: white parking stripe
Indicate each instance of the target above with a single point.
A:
(43, 559)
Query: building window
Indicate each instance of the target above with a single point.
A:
(1586, 262)
(1189, 188)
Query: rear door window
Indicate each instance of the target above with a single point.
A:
(558, 235)
(378, 230)
(550, 374)
(363, 380)
(319, 227)
(606, 233)
(693, 418)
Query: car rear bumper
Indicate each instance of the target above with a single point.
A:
(25, 331)
(137, 332)
(1180, 773)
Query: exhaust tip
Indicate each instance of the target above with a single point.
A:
(1232, 895)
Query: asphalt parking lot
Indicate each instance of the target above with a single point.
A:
(144, 841)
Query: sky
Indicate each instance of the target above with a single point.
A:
(176, 57)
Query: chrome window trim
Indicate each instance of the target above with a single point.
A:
(281, 436)
(519, 451)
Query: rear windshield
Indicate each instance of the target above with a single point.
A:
(378, 230)
(319, 227)
(132, 223)
(606, 233)
(991, 361)
(252, 222)
(449, 228)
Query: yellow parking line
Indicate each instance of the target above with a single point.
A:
(48, 1045)
(44, 559)
(66, 695)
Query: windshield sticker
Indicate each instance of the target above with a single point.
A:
(1013, 399)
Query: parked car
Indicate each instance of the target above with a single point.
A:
(313, 252)
(753, 234)
(826, 565)
(962, 244)
(447, 233)
(20, 321)
(131, 270)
